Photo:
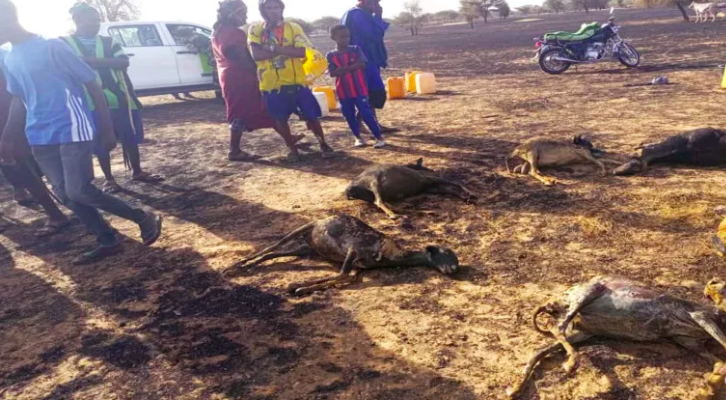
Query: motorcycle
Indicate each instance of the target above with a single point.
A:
(558, 51)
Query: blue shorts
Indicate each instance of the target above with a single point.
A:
(127, 134)
(300, 100)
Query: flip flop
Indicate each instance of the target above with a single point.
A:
(297, 138)
(111, 187)
(98, 254)
(52, 230)
(327, 151)
(148, 178)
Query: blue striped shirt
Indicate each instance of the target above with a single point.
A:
(50, 79)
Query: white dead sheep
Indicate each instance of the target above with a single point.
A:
(703, 11)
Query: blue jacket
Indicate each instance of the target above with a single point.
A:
(367, 32)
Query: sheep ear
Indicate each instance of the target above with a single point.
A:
(420, 162)
(433, 250)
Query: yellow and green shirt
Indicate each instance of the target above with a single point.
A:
(279, 71)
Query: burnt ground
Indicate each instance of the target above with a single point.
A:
(162, 323)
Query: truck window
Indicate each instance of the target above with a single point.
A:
(185, 35)
(136, 35)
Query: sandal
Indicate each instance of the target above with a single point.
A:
(327, 151)
(23, 198)
(293, 157)
(51, 229)
(240, 157)
(98, 254)
(111, 187)
(148, 178)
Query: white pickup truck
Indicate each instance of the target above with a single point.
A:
(162, 60)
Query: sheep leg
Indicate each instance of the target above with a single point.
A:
(442, 186)
(344, 277)
(375, 188)
(515, 391)
(594, 160)
(579, 299)
(532, 158)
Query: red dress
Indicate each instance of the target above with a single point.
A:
(240, 87)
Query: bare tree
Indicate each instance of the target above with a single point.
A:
(483, 7)
(470, 11)
(526, 10)
(555, 5)
(411, 17)
(324, 24)
(116, 10)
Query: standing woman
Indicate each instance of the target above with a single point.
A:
(238, 79)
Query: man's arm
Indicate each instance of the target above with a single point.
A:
(105, 126)
(12, 132)
(119, 61)
(113, 63)
(263, 52)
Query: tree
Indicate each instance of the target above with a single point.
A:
(446, 16)
(324, 24)
(306, 26)
(411, 17)
(526, 10)
(116, 10)
(504, 9)
(483, 7)
(555, 5)
(580, 4)
(470, 11)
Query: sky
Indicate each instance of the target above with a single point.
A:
(50, 17)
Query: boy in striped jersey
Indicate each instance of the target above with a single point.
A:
(47, 82)
(346, 65)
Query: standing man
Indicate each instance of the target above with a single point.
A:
(107, 58)
(367, 31)
(52, 83)
(278, 47)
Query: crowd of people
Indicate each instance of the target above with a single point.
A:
(64, 100)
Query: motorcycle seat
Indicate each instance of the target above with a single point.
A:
(586, 31)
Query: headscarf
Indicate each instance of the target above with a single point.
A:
(226, 8)
(80, 8)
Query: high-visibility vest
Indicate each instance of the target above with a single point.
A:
(120, 98)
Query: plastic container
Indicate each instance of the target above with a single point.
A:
(315, 65)
(323, 101)
(411, 81)
(396, 88)
(425, 83)
(330, 95)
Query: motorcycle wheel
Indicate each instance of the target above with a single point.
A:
(551, 66)
(628, 56)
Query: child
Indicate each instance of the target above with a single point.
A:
(346, 65)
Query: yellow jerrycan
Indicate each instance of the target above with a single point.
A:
(396, 88)
(329, 92)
